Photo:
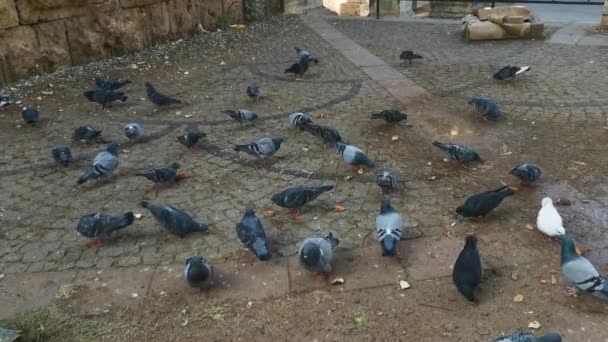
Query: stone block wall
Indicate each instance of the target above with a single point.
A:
(39, 35)
(604, 22)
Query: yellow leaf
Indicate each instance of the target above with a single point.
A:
(270, 213)
(360, 172)
(340, 208)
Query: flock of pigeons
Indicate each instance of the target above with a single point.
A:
(316, 253)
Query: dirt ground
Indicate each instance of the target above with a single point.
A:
(556, 116)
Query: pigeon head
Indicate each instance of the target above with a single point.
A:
(476, 156)
(298, 49)
(260, 248)
(148, 85)
(89, 94)
(474, 100)
(550, 337)
(254, 116)
(194, 260)
(310, 254)
(471, 240)
(249, 211)
(175, 166)
(462, 211)
(389, 246)
(113, 149)
(276, 198)
(334, 241)
(547, 201)
(568, 248)
(277, 141)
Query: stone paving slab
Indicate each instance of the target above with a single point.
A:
(360, 268)
(246, 281)
(127, 286)
(20, 292)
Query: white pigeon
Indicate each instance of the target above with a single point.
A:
(548, 221)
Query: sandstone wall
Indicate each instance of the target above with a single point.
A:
(604, 20)
(39, 35)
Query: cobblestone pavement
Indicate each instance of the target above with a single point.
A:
(546, 114)
(41, 205)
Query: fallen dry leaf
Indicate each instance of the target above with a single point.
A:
(270, 213)
(395, 138)
(340, 208)
(318, 115)
(360, 172)
(404, 285)
(529, 226)
(534, 325)
(180, 175)
(518, 298)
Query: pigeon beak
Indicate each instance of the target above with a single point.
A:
(578, 250)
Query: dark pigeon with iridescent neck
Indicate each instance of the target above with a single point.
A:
(198, 273)
(526, 172)
(251, 233)
(467, 269)
(97, 225)
(460, 153)
(175, 221)
(481, 204)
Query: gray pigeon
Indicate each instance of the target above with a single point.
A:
(303, 53)
(30, 115)
(7, 335)
(526, 172)
(103, 165)
(86, 134)
(175, 221)
(354, 156)
(264, 147)
(509, 72)
(5, 101)
(299, 119)
(526, 336)
(159, 99)
(389, 227)
(317, 253)
(486, 107)
(390, 116)
(104, 97)
(133, 131)
(296, 197)
(251, 233)
(460, 153)
(198, 273)
(98, 225)
(387, 181)
(160, 175)
(110, 84)
(191, 137)
(62, 155)
(329, 135)
(242, 115)
(580, 272)
(252, 90)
